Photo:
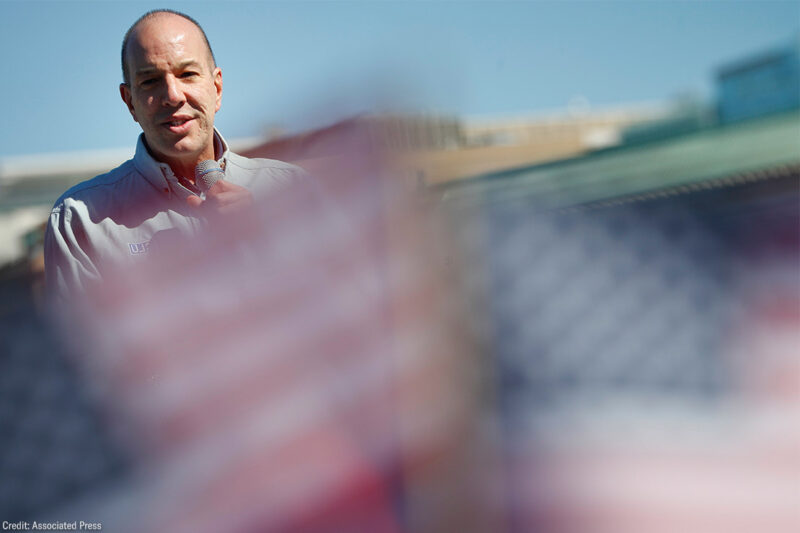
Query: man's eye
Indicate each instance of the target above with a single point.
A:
(147, 82)
(189, 74)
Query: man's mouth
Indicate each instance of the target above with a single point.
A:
(178, 125)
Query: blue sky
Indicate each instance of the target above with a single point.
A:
(300, 64)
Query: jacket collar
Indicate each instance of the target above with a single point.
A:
(160, 174)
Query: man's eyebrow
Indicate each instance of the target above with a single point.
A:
(188, 63)
(182, 65)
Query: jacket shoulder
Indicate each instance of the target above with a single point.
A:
(267, 167)
(95, 188)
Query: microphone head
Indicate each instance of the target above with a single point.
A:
(206, 174)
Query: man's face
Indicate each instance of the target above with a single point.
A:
(174, 90)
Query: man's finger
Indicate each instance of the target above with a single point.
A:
(228, 198)
(194, 201)
(221, 186)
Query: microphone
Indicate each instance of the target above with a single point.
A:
(206, 174)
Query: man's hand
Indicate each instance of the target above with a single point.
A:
(224, 198)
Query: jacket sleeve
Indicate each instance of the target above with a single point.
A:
(68, 264)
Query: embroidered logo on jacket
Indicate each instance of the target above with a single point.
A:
(137, 248)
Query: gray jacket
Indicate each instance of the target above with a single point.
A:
(110, 220)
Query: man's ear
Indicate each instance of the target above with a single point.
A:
(125, 93)
(218, 85)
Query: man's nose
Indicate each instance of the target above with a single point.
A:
(173, 95)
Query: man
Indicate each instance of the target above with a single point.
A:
(173, 89)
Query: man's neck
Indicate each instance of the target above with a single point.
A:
(183, 169)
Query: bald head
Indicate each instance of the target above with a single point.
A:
(131, 35)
